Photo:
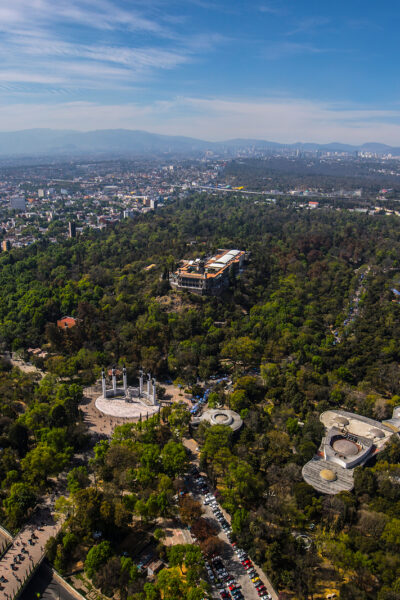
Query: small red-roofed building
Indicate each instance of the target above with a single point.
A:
(66, 323)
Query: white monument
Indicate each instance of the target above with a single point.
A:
(128, 402)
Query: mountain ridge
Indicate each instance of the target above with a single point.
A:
(138, 142)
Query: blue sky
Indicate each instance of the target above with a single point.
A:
(295, 70)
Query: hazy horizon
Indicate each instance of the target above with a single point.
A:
(42, 141)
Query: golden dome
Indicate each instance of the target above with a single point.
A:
(328, 475)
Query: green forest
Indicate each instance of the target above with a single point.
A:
(271, 331)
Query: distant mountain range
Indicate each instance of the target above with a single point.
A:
(124, 142)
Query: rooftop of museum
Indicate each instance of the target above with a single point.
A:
(212, 267)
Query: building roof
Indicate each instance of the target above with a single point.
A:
(350, 440)
(213, 267)
(220, 416)
(66, 322)
(327, 478)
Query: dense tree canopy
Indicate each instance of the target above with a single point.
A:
(310, 323)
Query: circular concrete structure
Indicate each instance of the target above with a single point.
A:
(328, 475)
(221, 418)
(119, 407)
(345, 447)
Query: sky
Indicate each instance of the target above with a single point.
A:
(279, 70)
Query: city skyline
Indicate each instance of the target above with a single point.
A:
(282, 71)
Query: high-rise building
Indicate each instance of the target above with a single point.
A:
(71, 229)
(6, 245)
(40, 193)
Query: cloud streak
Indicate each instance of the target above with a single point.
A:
(38, 43)
(283, 49)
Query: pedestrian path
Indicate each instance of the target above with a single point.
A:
(26, 553)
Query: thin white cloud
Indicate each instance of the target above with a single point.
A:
(32, 42)
(97, 15)
(309, 25)
(272, 9)
(283, 49)
(135, 58)
(28, 77)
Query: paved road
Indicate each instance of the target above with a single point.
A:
(49, 588)
(230, 559)
(32, 554)
(234, 565)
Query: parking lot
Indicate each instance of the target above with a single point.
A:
(232, 574)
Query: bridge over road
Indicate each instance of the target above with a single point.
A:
(26, 552)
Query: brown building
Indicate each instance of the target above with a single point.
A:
(209, 277)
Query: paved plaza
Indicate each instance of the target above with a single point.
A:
(98, 424)
(120, 408)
